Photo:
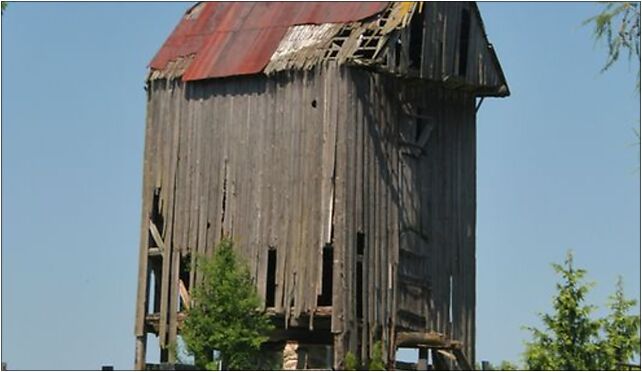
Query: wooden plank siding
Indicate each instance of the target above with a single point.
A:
(443, 55)
(254, 159)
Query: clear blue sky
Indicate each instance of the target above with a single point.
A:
(557, 170)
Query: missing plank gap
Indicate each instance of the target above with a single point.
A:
(155, 216)
(223, 203)
(151, 298)
(360, 243)
(185, 269)
(325, 298)
(270, 280)
(464, 35)
(416, 39)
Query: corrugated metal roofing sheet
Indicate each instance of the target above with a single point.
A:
(238, 38)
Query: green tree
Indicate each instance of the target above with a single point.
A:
(503, 366)
(351, 362)
(621, 329)
(619, 25)
(571, 338)
(507, 366)
(224, 315)
(376, 362)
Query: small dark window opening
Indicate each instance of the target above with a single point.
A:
(270, 288)
(155, 216)
(151, 283)
(464, 35)
(360, 243)
(420, 124)
(325, 298)
(157, 270)
(416, 39)
(186, 264)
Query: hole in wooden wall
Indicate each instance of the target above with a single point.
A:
(270, 287)
(185, 268)
(416, 39)
(155, 215)
(464, 35)
(151, 295)
(361, 241)
(325, 298)
(314, 103)
(157, 271)
(224, 201)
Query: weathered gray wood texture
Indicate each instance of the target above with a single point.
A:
(445, 44)
(302, 159)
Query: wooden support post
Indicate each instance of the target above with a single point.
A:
(141, 347)
(338, 352)
(422, 363)
(173, 304)
(414, 339)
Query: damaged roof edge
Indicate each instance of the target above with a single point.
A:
(502, 90)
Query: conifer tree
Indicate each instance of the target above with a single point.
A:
(224, 315)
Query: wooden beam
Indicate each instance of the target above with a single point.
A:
(157, 236)
(184, 294)
(141, 348)
(425, 339)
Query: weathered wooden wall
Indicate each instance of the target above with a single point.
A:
(444, 46)
(418, 208)
(437, 250)
(303, 159)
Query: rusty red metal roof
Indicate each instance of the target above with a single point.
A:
(238, 38)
